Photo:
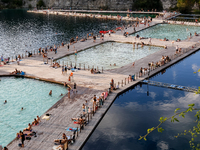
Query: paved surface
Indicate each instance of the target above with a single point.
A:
(88, 85)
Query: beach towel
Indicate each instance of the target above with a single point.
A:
(71, 129)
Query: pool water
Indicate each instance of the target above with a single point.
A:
(140, 108)
(105, 55)
(168, 31)
(30, 94)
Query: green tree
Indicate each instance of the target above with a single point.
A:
(185, 6)
(147, 5)
(40, 4)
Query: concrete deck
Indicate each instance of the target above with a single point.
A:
(88, 85)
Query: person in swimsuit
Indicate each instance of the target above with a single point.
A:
(75, 88)
(22, 138)
(50, 93)
(35, 122)
(68, 47)
(5, 102)
(38, 119)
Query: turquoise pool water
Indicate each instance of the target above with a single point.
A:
(109, 53)
(30, 94)
(171, 32)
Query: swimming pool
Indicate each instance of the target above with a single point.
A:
(168, 31)
(105, 55)
(30, 94)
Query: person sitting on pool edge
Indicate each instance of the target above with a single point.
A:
(29, 128)
(38, 119)
(63, 140)
(35, 122)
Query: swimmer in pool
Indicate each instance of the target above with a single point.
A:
(61, 94)
(23, 108)
(50, 93)
(5, 102)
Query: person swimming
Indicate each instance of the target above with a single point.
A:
(5, 102)
(50, 93)
(23, 108)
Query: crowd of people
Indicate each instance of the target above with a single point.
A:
(28, 132)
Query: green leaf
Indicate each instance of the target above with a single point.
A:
(176, 119)
(160, 129)
(183, 115)
(191, 105)
(176, 110)
(161, 119)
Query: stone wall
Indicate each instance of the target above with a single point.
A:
(94, 4)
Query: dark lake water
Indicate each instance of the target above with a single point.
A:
(21, 31)
(134, 112)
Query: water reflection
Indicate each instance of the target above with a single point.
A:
(134, 112)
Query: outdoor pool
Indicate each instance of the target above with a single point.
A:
(105, 55)
(168, 31)
(32, 95)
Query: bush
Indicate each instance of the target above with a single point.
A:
(18, 3)
(147, 5)
(40, 4)
(30, 6)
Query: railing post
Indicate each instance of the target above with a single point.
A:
(88, 117)
(84, 66)
(125, 82)
(77, 131)
(102, 69)
(122, 83)
(88, 68)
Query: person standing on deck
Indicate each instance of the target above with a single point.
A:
(65, 69)
(68, 47)
(75, 88)
(86, 106)
(94, 103)
(22, 138)
(150, 40)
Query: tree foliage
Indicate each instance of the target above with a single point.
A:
(13, 3)
(185, 6)
(147, 5)
(40, 4)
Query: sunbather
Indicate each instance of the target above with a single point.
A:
(63, 140)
